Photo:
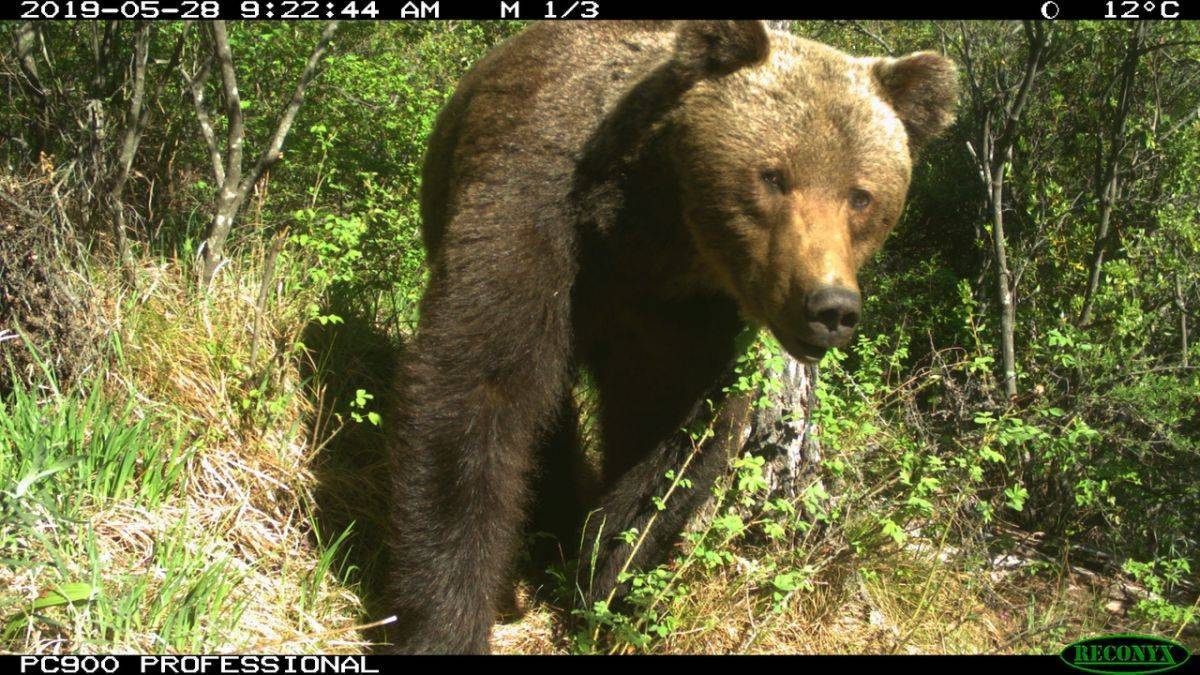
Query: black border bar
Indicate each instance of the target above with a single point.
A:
(314, 664)
(594, 9)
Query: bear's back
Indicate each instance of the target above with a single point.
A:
(516, 125)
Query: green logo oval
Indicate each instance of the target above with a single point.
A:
(1118, 654)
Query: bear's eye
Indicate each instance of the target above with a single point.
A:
(774, 179)
(859, 199)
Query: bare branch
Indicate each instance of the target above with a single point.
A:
(875, 37)
(1164, 45)
(1038, 38)
(274, 150)
(236, 134)
(234, 187)
(1109, 185)
(195, 85)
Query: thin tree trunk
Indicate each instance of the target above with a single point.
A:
(1108, 197)
(195, 86)
(227, 202)
(1109, 186)
(24, 42)
(995, 159)
(264, 294)
(1181, 304)
(1008, 314)
(136, 118)
(129, 143)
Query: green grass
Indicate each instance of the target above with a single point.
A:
(68, 457)
(146, 508)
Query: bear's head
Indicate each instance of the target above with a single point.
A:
(794, 161)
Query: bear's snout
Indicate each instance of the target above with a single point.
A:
(831, 313)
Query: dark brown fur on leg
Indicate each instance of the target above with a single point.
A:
(472, 406)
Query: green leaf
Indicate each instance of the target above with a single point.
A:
(65, 595)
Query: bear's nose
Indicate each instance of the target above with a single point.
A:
(833, 312)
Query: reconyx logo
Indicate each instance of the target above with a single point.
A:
(1125, 654)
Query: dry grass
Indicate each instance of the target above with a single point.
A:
(247, 495)
(251, 484)
(902, 604)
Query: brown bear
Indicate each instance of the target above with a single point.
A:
(624, 198)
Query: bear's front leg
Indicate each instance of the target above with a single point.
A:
(482, 387)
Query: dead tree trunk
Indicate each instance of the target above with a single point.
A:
(785, 434)
(1004, 284)
(1181, 305)
(134, 125)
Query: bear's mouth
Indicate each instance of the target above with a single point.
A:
(798, 348)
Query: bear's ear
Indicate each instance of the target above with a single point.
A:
(923, 90)
(707, 49)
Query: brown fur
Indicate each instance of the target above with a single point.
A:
(593, 197)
